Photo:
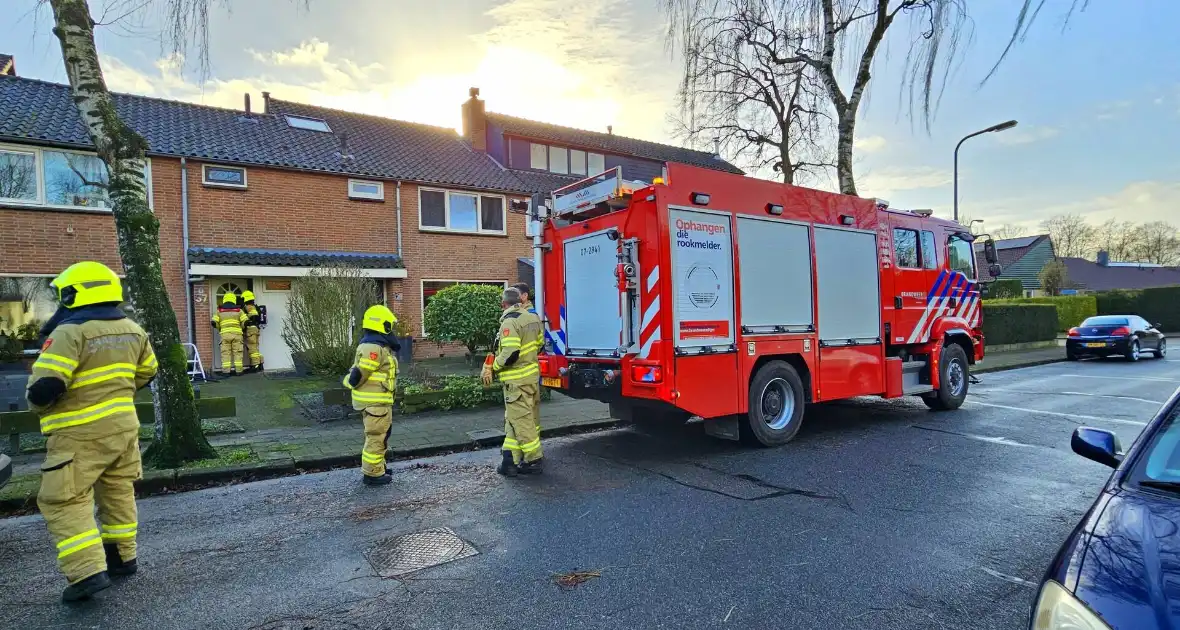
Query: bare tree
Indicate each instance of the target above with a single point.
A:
(1009, 230)
(1118, 239)
(762, 114)
(1054, 277)
(1158, 242)
(1072, 236)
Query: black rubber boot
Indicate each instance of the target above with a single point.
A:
(383, 480)
(507, 467)
(530, 468)
(85, 588)
(233, 372)
(261, 367)
(116, 566)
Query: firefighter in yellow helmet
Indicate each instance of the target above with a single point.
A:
(515, 362)
(253, 329)
(93, 360)
(229, 321)
(373, 380)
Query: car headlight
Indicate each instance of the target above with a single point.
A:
(1057, 609)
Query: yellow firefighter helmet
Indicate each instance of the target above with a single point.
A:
(86, 283)
(379, 318)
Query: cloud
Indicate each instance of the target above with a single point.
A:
(1027, 135)
(871, 144)
(1141, 202)
(884, 182)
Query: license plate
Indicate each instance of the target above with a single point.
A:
(1095, 345)
(551, 381)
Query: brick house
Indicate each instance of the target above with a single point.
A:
(1022, 259)
(253, 199)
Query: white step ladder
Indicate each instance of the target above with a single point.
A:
(195, 367)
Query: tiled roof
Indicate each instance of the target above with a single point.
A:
(608, 142)
(1009, 250)
(539, 182)
(1090, 275)
(291, 258)
(32, 110)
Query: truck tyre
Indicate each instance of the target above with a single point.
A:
(775, 405)
(953, 379)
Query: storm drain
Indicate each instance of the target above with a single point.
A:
(399, 555)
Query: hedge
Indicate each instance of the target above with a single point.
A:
(1160, 305)
(1118, 302)
(1003, 289)
(1018, 323)
(1071, 309)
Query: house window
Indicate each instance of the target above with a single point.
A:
(538, 156)
(225, 176)
(363, 189)
(446, 210)
(55, 178)
(929, 251)
(577, 162)
(596, 163)
(310, 124)
(430, 287)
(559, 160)
(905, 248)
(25, 301)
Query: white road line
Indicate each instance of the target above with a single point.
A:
(1117, 397)
(996, 440)
(1111, 396)
(1124, 378)
(1071, 416)
(1009, 578)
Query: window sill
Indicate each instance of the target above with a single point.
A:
(8, 205)
(366, 199)
(224, 186)
(434, 230)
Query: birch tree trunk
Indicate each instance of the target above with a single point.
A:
(178, 427)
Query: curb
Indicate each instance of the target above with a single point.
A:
(156, 482)
(1017, 366)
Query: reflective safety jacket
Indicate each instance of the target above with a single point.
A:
(229, 321)
(253, 317)
(518, 341)
(101, 362)
(376, 366)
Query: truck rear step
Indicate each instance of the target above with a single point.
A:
(911, 377)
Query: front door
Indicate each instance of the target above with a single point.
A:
(221, 286)
(272, 293)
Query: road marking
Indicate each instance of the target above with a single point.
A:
(1117, 396)
(1124, 378)
(982, 438)
(1006, 390)
(1071, 416)
(1008, 578)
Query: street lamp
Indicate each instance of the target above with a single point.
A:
(1004, 126)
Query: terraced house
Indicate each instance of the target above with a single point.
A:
(255, 198)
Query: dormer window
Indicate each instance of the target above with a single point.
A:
(310, 124)
(565, 161)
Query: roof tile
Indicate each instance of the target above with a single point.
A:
(291, 258)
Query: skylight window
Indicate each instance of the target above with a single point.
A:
(310, 124)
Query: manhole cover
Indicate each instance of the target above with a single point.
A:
(407, 553)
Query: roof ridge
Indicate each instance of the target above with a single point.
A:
(136, 96)
(346, 112)
(599, 133)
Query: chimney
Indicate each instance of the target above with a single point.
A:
(1103, 258)
(610, 130)
(247, 103)
(7, 65)
(475, 121)
(716, 146)
(266, 102)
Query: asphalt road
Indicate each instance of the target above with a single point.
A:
(879, 515)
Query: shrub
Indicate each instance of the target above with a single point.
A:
(1161, 306)
(1004, 289)
(1018, 323)
(464, 313)
(1071, 309)
(1118, 302)
(10, 348)
(1054, 277)
(324, 314)
(28, 331)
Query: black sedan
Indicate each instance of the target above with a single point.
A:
(1120, 567)
(1115, 335)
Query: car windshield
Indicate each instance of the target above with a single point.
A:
(1107, 320)
(1161, 460)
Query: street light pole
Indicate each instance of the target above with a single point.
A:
(1000, 127)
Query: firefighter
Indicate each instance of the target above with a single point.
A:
(373, 379)
(532, 312)
(93, 360)
(515, 362)
(253, 328)
(228, 321)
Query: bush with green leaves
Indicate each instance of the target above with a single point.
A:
(10, 348)
(324, 315)
(1018, 323)
(1006, 288)
(1071, 309)
(468, 314)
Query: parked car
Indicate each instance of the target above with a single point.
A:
(1110, 335)
(5, 469)
(1120, 567)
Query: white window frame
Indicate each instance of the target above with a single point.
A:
(39, 168)
(585, 164)
(595, 171)
(305, 126)
(560, 167)
(478, 212)
(205, 177)
(378, 196)
(422, 296)
(533, 156)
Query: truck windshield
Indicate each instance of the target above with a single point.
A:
(961, 257)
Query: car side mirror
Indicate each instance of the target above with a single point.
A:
(1097, 445)
(989, 252)
(995, 270)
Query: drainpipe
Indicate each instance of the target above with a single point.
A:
(188, 287)
(398, 204)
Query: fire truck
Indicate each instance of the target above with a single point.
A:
(738, 301)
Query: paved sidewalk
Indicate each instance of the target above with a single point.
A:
(995, 361)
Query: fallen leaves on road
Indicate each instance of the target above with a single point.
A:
(572, 579)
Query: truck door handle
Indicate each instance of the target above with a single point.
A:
(897, 303)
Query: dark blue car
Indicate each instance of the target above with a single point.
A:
(1120, 568)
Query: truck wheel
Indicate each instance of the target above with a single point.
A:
(776, 406)
(953, 378)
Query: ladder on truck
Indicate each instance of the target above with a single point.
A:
(594, 196)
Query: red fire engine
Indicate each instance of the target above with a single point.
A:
(740, 300)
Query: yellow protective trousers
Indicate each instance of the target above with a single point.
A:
(253, 354)
(521, 436)
(378, 422)
(76, 475)
(231, 352)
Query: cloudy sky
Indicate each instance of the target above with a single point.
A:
(1098, 102)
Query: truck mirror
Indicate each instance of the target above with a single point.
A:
(995, 270)
(989, 252)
